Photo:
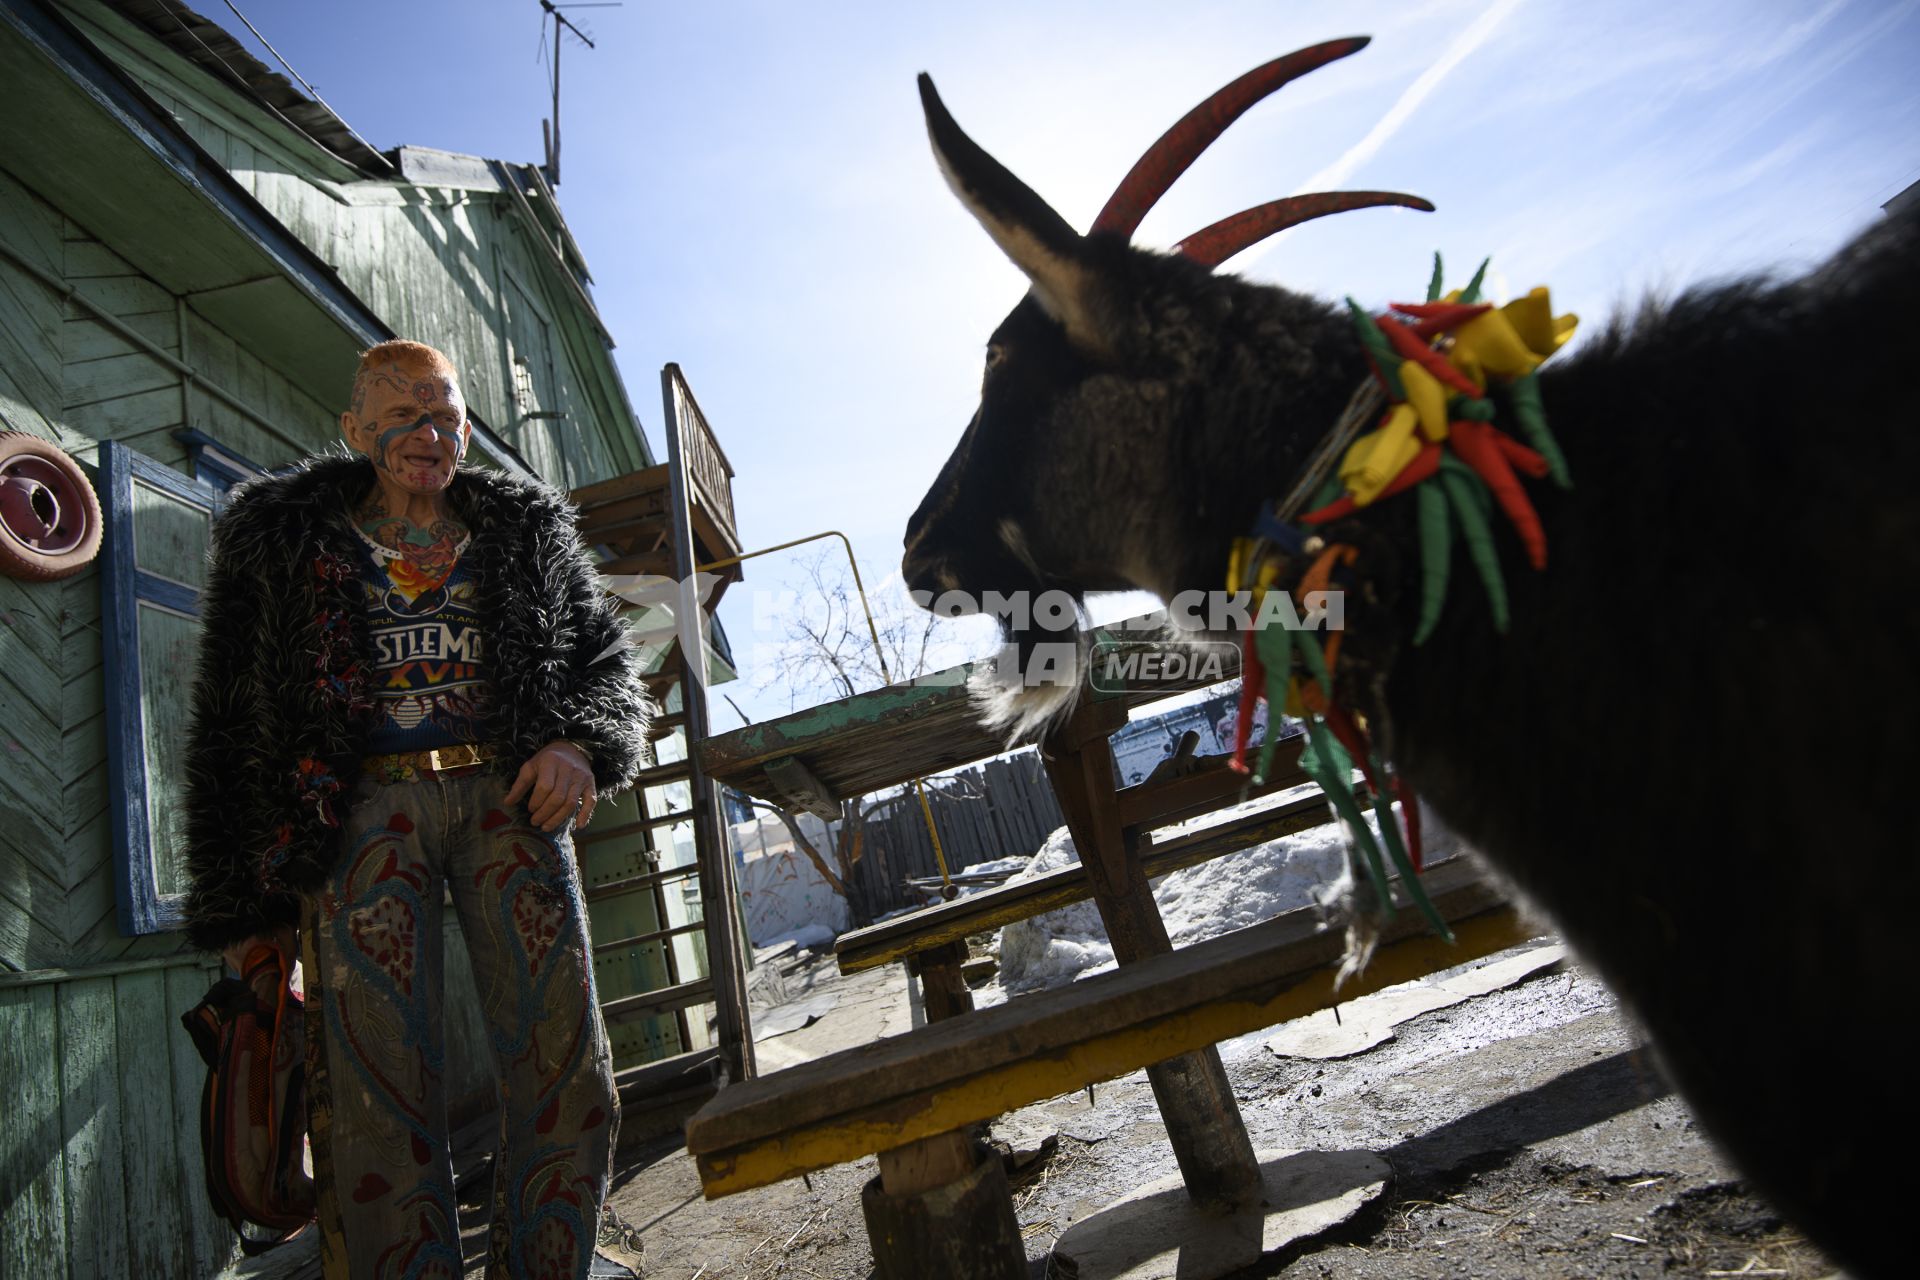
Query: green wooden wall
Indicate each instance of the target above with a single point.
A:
(99, 1143)
(453, 262)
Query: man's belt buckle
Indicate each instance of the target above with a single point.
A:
(456, 757)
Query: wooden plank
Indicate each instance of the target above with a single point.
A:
(124, 296)
(18, 933)
(800, 789)
(33, 317)
(1169, 800)
(112, 377)
(87, 789)
(33, 225)
(32, 690)
(83, 697)
(661, 774)
(144, 412)
(89, 259)
(645, 480)
(157, 1221)
(946, 1075)
(30, 353)
(665, 1000)
(18, 412)
(633, 884)
(659, 563)
(30, 617)
(90, 1080)
(33, 1215)
(596, 520)
(878, 739)
(902, 936)
(84, 338)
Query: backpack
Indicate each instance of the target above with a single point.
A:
(253, 1111)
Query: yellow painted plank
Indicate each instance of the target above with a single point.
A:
(1103, 1056)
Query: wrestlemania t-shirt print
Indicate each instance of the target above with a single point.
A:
(430, 651)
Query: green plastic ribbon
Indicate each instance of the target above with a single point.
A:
(1385, 358)
(1532, 416)
(1472, 292)
(1471, 505)
(1326, 762)
(1436, 556)
(1397, 851)
(1315, 660)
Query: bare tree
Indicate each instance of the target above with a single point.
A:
(827, 651)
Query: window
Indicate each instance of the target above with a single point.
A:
(213, 463)
(153, 569)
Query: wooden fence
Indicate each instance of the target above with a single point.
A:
(1000, 809)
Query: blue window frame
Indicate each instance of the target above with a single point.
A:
(213, 463)
(153, 569)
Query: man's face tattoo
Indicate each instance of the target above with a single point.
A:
(413, 425)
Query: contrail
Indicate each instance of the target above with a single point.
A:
(1476, 34)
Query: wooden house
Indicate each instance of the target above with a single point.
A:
(192, 254)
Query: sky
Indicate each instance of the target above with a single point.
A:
(752, 187)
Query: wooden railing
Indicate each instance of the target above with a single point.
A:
(712, 473)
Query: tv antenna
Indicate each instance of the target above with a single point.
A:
(550, 129)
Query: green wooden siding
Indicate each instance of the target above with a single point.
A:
(101, 1162)
(440, 263)
(99, 1145)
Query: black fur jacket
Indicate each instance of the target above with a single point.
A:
(280, 708)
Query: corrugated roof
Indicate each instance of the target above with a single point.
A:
(206, 44)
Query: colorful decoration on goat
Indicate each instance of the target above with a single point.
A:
(1437, 439)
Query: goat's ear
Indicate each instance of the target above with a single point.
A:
(1050, 252)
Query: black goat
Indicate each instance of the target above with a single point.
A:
(1691, 745)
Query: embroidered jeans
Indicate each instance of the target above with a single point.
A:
(371, 947)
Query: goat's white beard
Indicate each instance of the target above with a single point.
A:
(1021, 712)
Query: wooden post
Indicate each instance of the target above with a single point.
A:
(719, 889)
(942, 988)
(941, 1209)
(1204, 1127)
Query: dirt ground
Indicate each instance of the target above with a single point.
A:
(1528, 1132)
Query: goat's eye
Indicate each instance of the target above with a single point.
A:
(995, 354)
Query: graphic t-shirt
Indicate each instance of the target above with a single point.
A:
(430, 682)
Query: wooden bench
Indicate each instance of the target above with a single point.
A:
(863, 744)
(911, 1098)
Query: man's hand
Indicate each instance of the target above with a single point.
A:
(559, 779)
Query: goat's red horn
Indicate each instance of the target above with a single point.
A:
(1181, 145)
(1213, 245)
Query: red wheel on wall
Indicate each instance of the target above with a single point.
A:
(49, 517)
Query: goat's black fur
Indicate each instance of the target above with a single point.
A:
(1691, 745)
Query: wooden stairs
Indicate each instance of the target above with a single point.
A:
(662, 894)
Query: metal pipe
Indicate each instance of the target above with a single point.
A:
(947, 890)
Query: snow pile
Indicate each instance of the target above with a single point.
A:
(1015, 865)
(1197, 903)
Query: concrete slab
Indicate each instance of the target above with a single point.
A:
(1158, 1233)
(1359, 1025)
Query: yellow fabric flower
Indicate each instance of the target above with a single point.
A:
(1533, 319)
(1378, 456)
(1428, 398)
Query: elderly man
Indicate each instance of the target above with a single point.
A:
(411, 685)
